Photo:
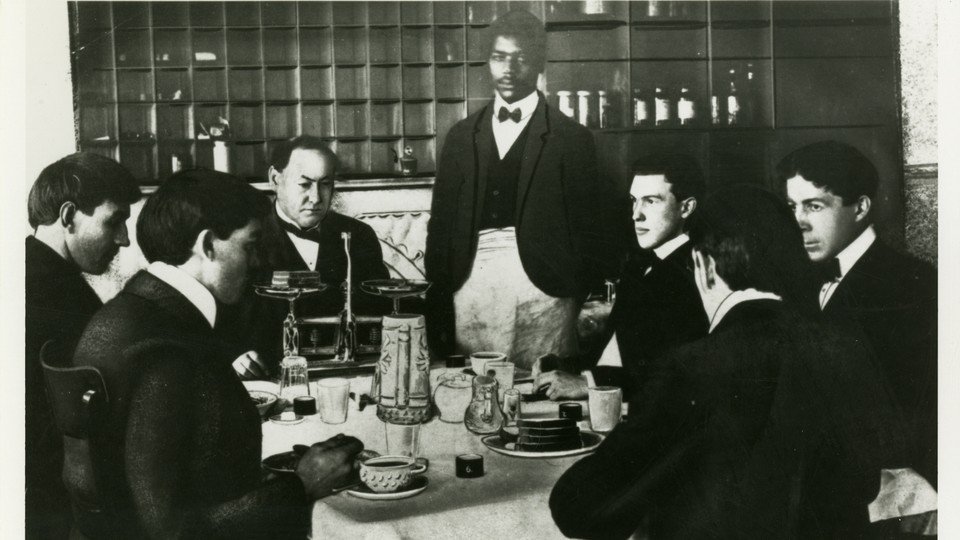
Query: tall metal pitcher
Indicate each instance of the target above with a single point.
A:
(402, 379)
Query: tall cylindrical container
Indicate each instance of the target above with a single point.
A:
(583, 107)
(404, 371)
(565, 103)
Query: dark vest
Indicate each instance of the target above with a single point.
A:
(500, 199)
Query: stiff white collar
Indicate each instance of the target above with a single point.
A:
(185, 284)
(738, 297)
(852, 253)
(526, 105)
(665, 249)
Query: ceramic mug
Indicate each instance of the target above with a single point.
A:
(387, 474)
(479, 360)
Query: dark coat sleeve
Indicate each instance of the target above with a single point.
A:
(443, 208)
(161, 444)
(609, 493)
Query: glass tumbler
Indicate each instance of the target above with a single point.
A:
(294, 380)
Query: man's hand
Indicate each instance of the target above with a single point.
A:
(562, 385)
(249, 366)
(328, 465)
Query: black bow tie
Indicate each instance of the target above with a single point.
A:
(512, 115)
(829, 271)
(309, 234)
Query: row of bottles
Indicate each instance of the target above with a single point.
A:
(586, 113)
(733, 103)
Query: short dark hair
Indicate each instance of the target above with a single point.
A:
(756, 243)
(280, 157)
(189, 202)
(85, 179)
(834, 166)
(525, 27)
(681, 171)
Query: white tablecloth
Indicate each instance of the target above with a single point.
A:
(509, 501)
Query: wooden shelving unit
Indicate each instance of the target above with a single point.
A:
(374, 77)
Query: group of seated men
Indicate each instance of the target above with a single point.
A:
(778, 356)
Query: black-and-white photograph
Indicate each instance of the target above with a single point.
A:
(651, 269)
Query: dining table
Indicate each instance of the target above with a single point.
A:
(510, 500)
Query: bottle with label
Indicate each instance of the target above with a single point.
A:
(664, 108)
(565, 104)
(642, 115)
(583, 108)
(686, 108)
(715, 116)
(733, 101)
(603, 109)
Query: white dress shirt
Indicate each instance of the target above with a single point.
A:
(308, 249)
(847, 258)
(185, 284)
(506, 132)
(738, 297)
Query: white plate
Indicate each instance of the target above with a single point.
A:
(262, 386)
(416, 487)
(590, 440)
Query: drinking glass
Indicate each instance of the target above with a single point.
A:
(294, 380)
(604, 403)
(334, 398)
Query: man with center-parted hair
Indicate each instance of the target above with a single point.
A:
(303, 233)
(518, 228)
(771, 426)
(78, 208)
(182, 435)
(657, 304)
(868, 288)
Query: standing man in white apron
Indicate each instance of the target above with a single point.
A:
(518, 232)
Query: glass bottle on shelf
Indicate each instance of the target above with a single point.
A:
(664, 107)
(715, 116)
(733, 101)
(583, 108)
(603, 109)
(686, 109)
(642, 115)
(655, 8)
(565, 104)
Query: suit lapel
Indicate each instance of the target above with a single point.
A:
(482, 144)
(857, 281)
(284, 255)
(537, 134)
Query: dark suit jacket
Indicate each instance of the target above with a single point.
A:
(185, 437)
(59, 304)
(563, 231)
(891, 300)
(653, 313)
(770, 427)
(256, 323)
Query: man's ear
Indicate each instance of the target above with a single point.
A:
(687, 207)
(273, 174)
(862, 207)
(704, 270)
(203, 245)
(68, 211)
